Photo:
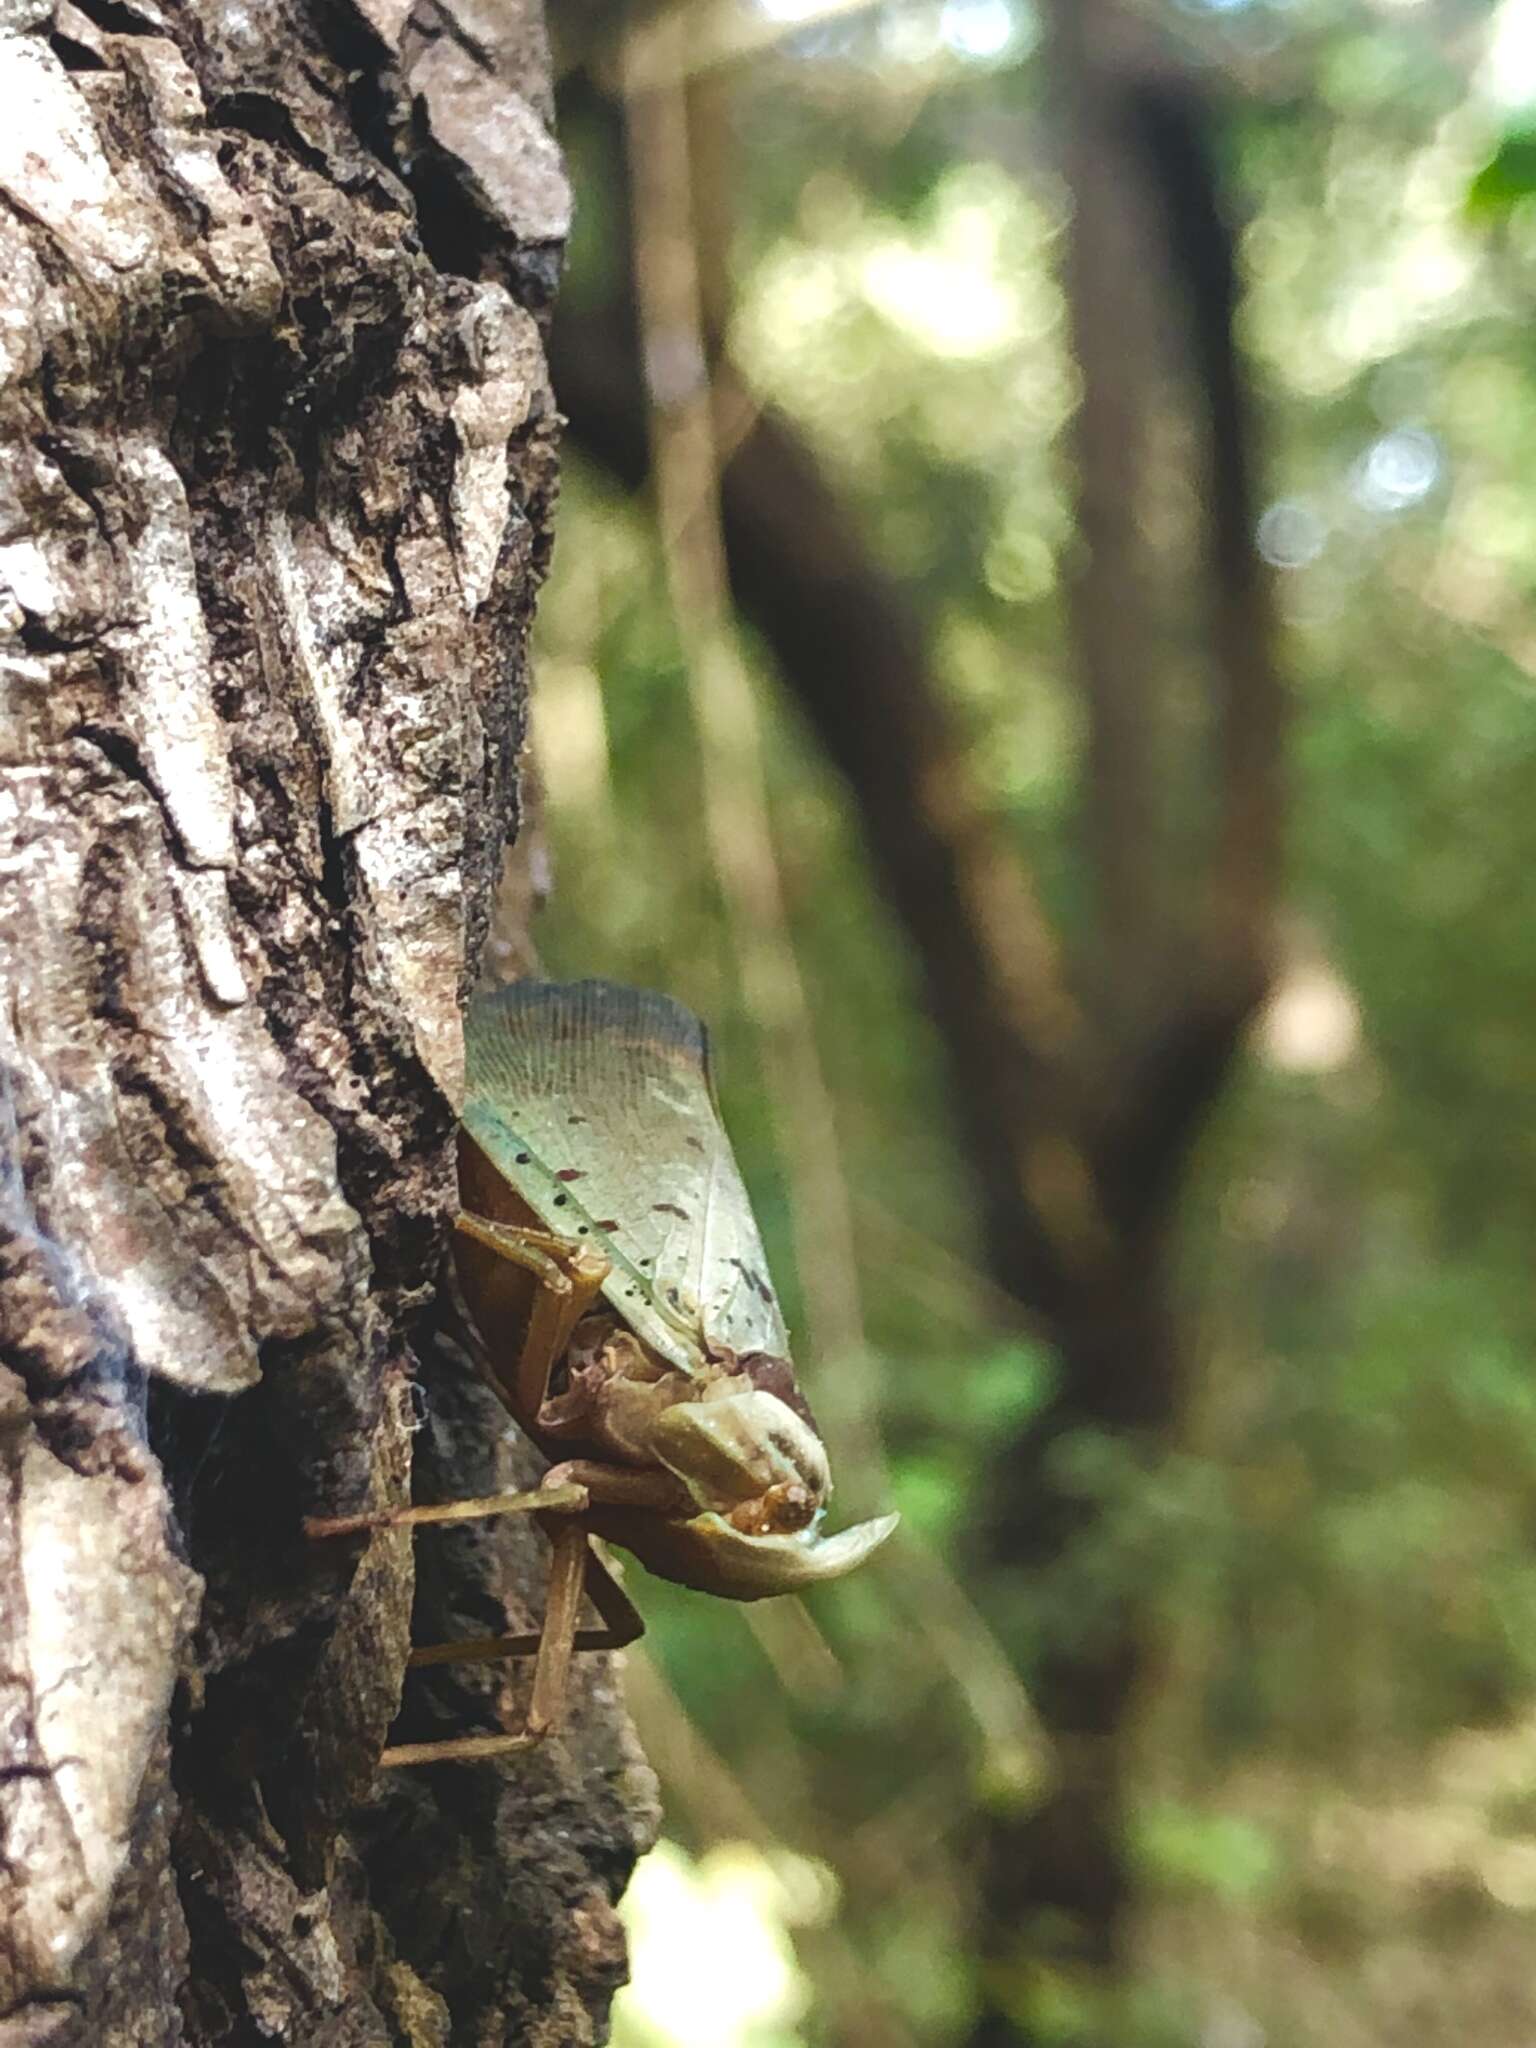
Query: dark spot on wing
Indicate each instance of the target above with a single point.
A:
(570, 1173)
(522, 1158)
(670, 1209)
(610, 1225)
(575, 1119)
(697, 1144)
(756, 1282)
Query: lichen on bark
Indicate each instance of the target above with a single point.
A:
(277, 468)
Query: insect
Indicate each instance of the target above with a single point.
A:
(608, 1258)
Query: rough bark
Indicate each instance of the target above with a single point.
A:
(277, 463)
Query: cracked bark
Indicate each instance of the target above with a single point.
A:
(277, 463)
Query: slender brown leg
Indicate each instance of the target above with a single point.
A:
(620, 1619)
(569, 1276)
(623, 1485)
(536, 1359)
(567, 1499)
(557, 1639)
(587, 1480)
(573, 1570)
(567, 1570)
(586, 1271)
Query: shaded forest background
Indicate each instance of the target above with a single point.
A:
(1132, 1078)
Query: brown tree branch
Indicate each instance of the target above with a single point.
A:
(1173, 1075)
(1113, 297)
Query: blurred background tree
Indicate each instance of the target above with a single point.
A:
(956, 390)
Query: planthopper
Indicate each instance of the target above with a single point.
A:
(608, 1258)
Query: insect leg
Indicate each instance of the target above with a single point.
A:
(568, 1489)
(622, 1619)
(569, 1276)
(586, 1270)
(570, 1499)
(619, 1618)
(537, 1358)
(621, 1624)
(573, 1570)
(567, 1571)
(554, 1643)
(622, 1485)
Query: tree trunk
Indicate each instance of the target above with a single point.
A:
(277, 454)
(1055, 1885)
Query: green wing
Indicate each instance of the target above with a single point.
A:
(596, 1103)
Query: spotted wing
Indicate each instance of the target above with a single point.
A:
(596, 1103)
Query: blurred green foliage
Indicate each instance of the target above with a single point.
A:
(1336, 1808)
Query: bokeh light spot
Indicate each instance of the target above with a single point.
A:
(712, 1962)
(983, 29)
(1399, 469)
(1509, 71)
(1311, 1023)
(1290, 534)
